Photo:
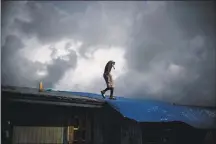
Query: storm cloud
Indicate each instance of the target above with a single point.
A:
(169, 47)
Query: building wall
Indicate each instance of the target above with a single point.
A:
(97, 128)
(171, 133)
(32, 135)
(157, 133)
(130, 132)
(106, 126)
(110, 127)
(33, 123)
(49, 124)
(210, 137)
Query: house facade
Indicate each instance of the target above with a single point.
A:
(57, 117)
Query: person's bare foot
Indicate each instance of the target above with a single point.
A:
(103, 94)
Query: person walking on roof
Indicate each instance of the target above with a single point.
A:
(108, 79)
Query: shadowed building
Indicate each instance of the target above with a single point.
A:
(30, 116)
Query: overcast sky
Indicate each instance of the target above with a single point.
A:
(163, 50)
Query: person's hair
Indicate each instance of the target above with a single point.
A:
(112, 61)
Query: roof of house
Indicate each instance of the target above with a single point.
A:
(139, 110)
(32, 95)
(142, 110)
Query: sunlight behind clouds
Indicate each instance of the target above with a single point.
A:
(34, 51)
(91, 69)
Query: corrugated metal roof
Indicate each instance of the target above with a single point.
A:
(156, 111)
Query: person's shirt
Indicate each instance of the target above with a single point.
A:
(108, 67)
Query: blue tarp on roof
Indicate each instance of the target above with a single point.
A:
(156, 111)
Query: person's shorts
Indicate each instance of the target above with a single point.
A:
(109, 81)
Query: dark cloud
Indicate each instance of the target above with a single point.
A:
(15, 69)
(183, 34)
(18, 71)
(170, 46)
(57, 70)
(194, 17)
(31, 19)
(45, 22)
(94, 23)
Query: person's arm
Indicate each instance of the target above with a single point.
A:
(113, 65)
(109, 67)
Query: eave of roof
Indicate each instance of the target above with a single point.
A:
(32, 95)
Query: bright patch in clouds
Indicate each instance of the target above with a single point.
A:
(34, 51)
(176, 71)
(64, 47)
(91, 69)
(41, 73)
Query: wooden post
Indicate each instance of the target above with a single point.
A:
(80, 129)
(70, 134)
